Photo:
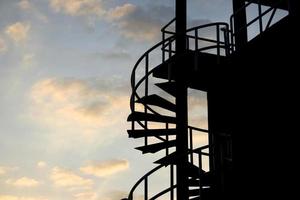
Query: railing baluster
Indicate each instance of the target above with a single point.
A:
(191, 145)
(167, 139)
(218, 43)
(271, 18)
(260, 17)
(200, 170)
(172, 181)
(146, 189)
(146, 92)
(163, 46)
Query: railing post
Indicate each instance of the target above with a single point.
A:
(218, 43)
(191, 145)
(200, 171)
(196, 48)
(146, 92)
(163, 46)
(260, 17)
(146, 189)
(167, 139)
(172, 181)
(226, 40)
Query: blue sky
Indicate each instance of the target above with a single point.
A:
(64, 86)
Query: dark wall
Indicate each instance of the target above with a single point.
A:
(255, 99)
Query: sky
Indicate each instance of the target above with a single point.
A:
(65, 67)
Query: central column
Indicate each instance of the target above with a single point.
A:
(181, 101)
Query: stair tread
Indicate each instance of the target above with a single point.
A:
(206, 180)
(169, 87)
(157, 101)
(150, 132)
(196, 192)
(140, 116)
(153, 148)
(193, 171)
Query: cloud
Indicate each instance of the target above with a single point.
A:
(121, 11)
(114, 55)
(78, 7)
(23, 182)
(4, 170)
(77, 106)
(10, 197)
(86, 195)
(66, 178)
(3, 46)
(118, 194)
(144, 23)
(105, 168)
(18, 31)
(24, 5)
(41, 164)
(28, 60)
(29, 7)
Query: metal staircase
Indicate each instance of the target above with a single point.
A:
(148, 108)
(154, 73)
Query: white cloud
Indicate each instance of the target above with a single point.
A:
(3, 46)
(120, 11)
(67, 178)
(27, 6)
(41, 164)
(105, 168)
(86, 195)
(10, 197)
(24, 4)
(77, 107)
(78, 7)
(23, 182)
(4, 169)
(18, 31)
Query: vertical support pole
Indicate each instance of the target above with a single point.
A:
(181, 102)
(240, 23)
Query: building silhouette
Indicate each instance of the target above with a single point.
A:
(248, 70)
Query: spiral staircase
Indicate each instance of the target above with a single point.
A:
(149, 108)
(153, 95)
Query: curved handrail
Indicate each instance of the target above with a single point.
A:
(163, 192)
(167, 25)
(207, 25)
(130, 196)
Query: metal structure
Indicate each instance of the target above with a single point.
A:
(191, 60)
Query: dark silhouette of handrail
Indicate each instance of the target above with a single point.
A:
(259, 18)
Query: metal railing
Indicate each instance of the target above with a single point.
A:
(215, 43)
(259, 18)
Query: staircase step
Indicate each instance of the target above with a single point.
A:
(156, 100)
(169, 87)
(207, 179)
(194, 192)
(139, 116)
(205, 194)
(150, 132)
(194, 171)
(170, 159)
(153, 148)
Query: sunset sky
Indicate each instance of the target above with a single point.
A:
(64, 84)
